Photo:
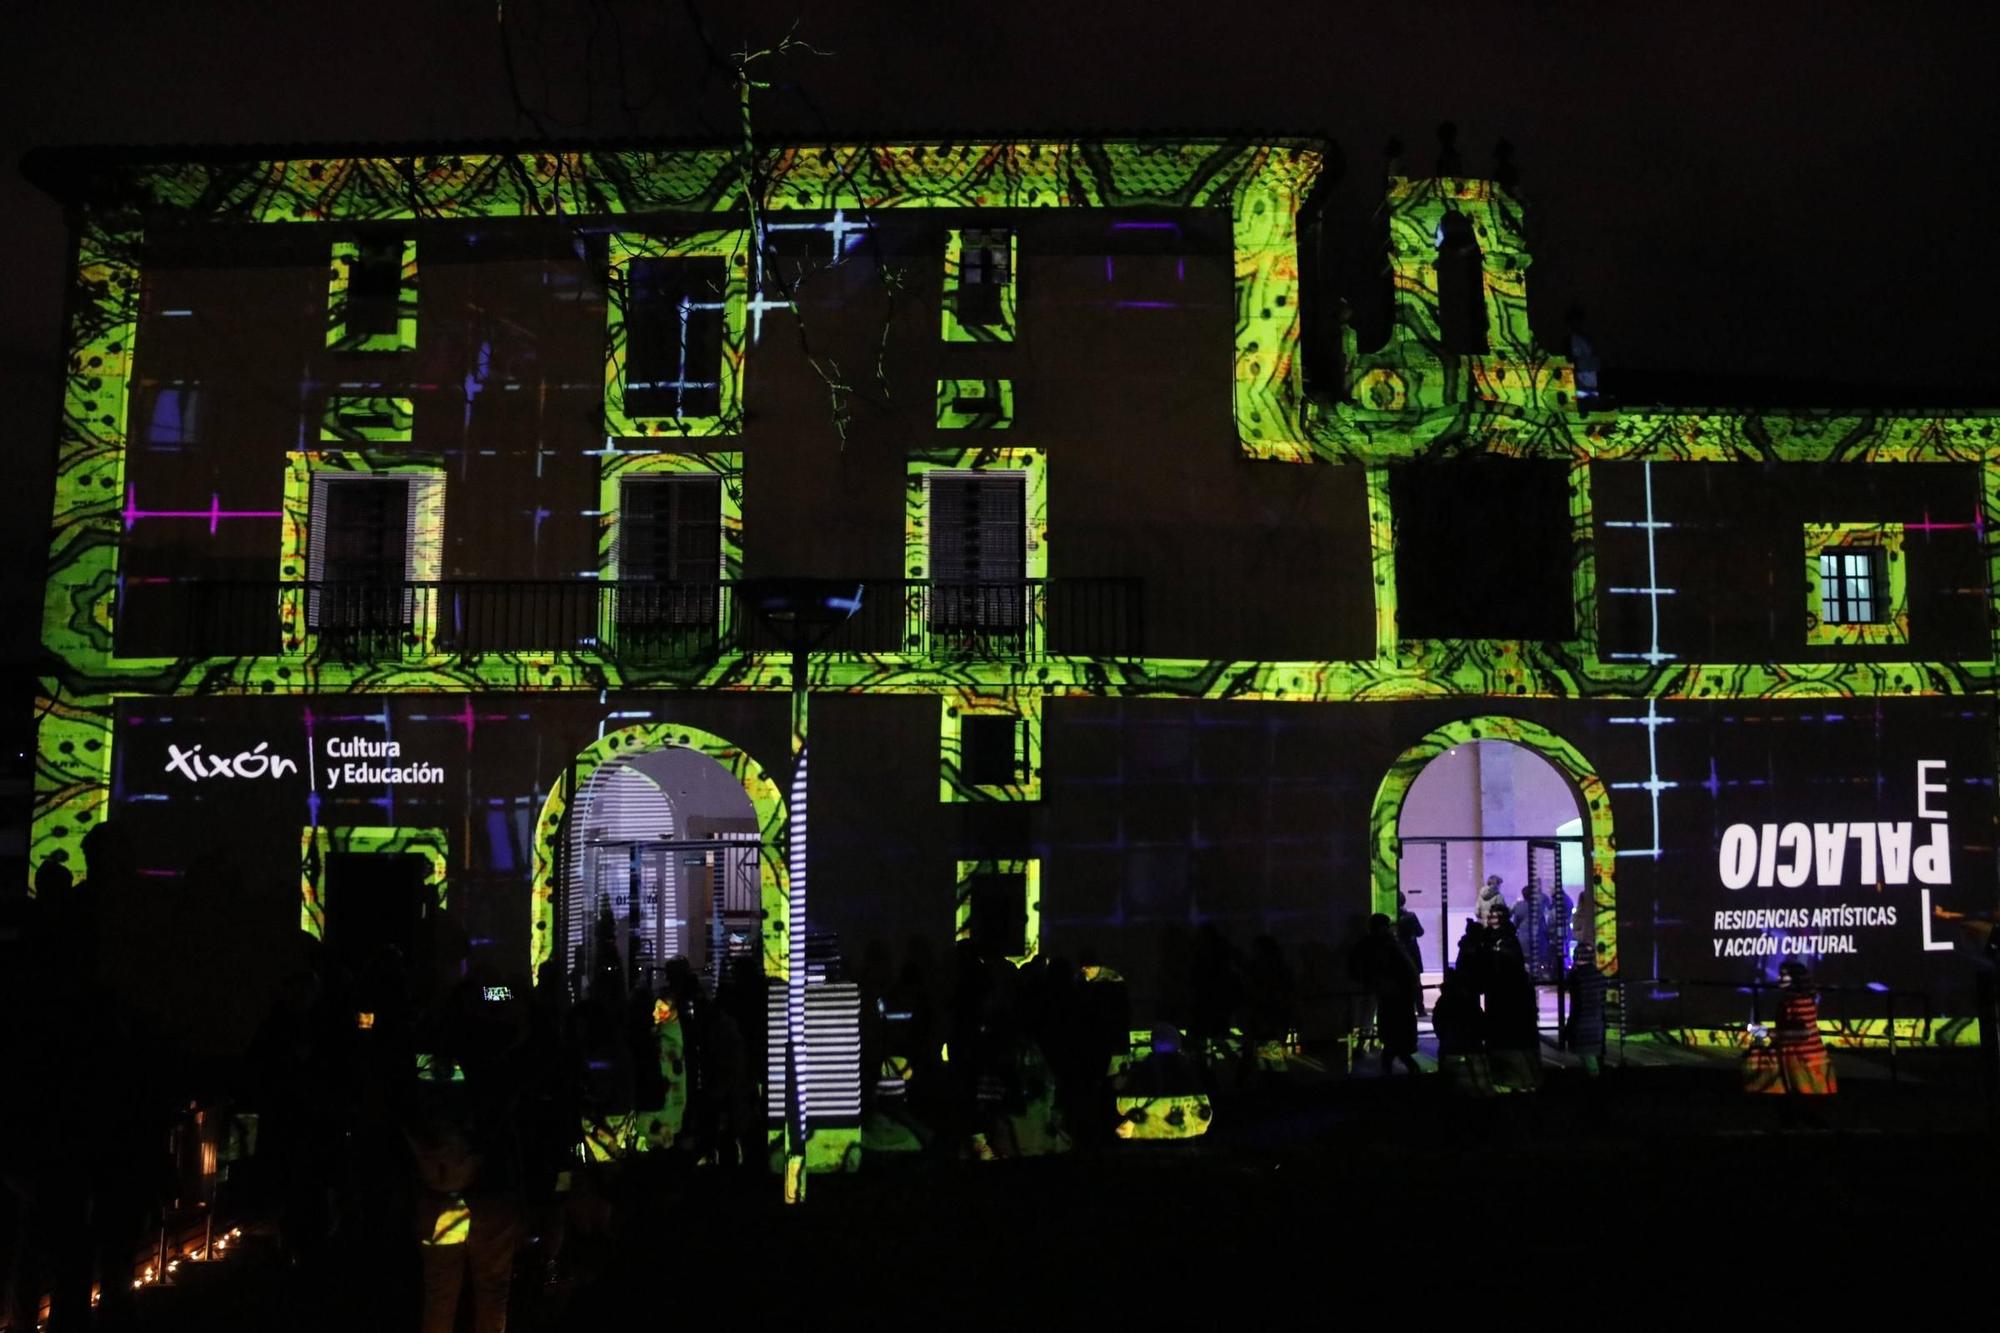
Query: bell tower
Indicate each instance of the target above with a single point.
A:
(1459, 338)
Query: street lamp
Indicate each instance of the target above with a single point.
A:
(803, 612)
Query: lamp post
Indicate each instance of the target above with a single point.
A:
(803, 612)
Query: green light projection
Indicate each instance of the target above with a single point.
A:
(72, 777)
(1880, 543)
(339, 286)
(616, 466)
(366, 420)
(1411, 401)
(732, 248)
(774, 880)
(975, 404)
(1030, 464)
(1025, 706)
(78, 599)
(316, 844)
(424, 556)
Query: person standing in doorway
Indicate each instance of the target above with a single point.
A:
(1586, 1012)
(1408, 931)
(1387, 970)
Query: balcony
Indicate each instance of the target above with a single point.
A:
(634, 623)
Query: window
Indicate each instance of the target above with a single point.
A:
(669, 560)
(371, 298)
(1461, 288)
(975, 404)
(1857, 588)
(1000, 908)
(367, 420)
(174, 421)
(1483, 549)
(1850, 586)
(979, 286)
(673, 337)
(374, 286)
(978, 551)
(361, 553)
(997, 914)
(989, 747)
(985, 266)
(359, 598)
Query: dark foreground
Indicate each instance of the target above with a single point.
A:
(1661, 1181)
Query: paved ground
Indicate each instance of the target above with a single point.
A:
(1657, 1182)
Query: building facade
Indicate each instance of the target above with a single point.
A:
(416, 515)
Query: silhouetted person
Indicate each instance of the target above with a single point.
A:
(1513, 1020)
(1393, 165)
(1216, 982)
(1408, 931)
(1562, 927)
(468, 1153)
(1460, 1026)
(1531, 920)
(297, 1132)
(1586, 1006)
(1272, 1010)
(1384, 967)
(1106, 1026)
(1505, 173)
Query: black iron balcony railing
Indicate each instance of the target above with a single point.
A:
(634, 622)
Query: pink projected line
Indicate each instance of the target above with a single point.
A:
(1977, 525)
(215, 513)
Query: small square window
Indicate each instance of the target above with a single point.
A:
(1856, 590)
(989, 749)
(174, 422)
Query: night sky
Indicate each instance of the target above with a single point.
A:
(1780, 200)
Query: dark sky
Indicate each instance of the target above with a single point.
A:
(1803, 192)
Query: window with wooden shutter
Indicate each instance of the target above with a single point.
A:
(669, 551)
(978, 549)
(358, 564)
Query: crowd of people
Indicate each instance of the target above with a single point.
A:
(1487, 1018)
(429, 1107)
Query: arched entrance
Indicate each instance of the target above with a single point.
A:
(613, 823)
(1591, 803)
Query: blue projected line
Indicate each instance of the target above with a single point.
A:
(838, 227)
(1652, 591)
(1654, 783)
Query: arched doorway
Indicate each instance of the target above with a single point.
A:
(1581, 855)
(680, 835)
